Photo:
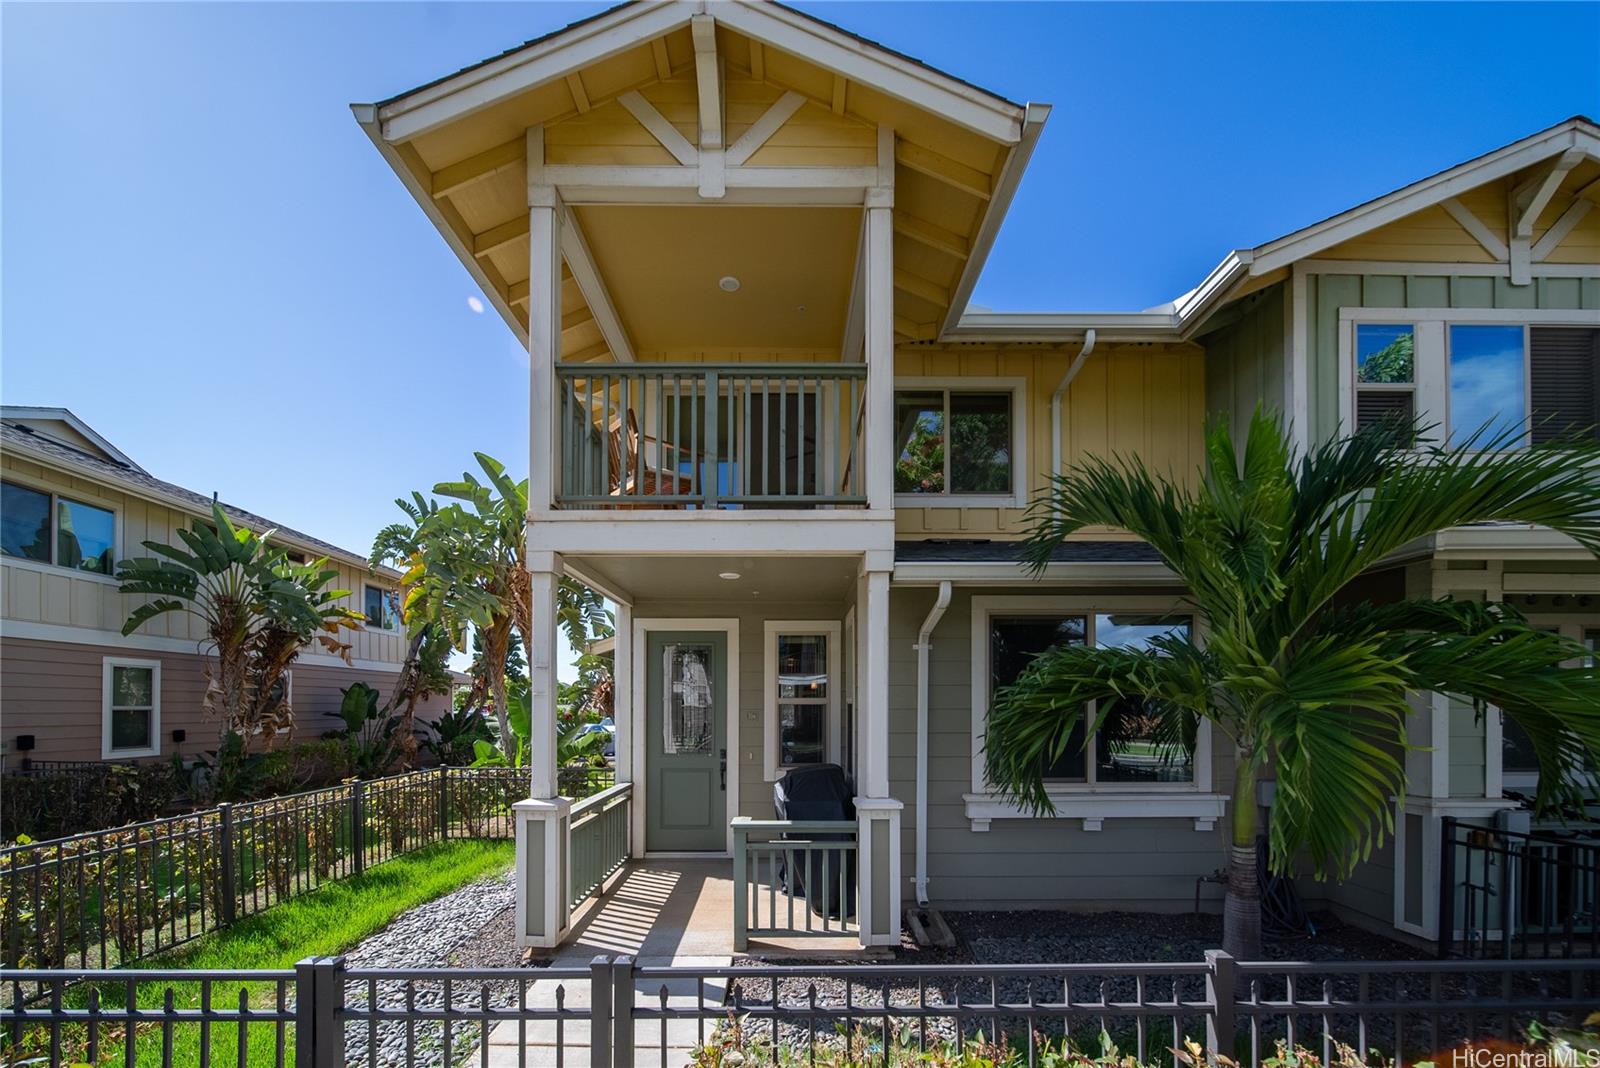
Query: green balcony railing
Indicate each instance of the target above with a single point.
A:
(659, 435)
(597, 839)
(793, 879)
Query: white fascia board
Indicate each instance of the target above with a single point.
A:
(1110, 573)
(1004, 192)
(366, 115)
(1192, 308)
(430, 107)
(1514, 157)
(64, 415)
(1506, 539)
(1065, 326)
(789, 31)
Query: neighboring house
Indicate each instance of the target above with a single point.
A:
(739, 243)
(72, 687)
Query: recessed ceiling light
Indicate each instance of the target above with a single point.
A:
(728, 284)
(729, 575)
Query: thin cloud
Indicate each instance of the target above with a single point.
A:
(476, 305)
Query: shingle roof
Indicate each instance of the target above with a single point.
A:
(984, 551)
(23, 440)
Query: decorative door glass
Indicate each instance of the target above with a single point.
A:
(687, 725)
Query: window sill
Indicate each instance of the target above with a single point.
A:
(1095, 807)
(128, 754)
(957, 500)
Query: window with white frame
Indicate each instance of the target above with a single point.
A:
(802, 694)
(382, 608)
(1521, 377)
(1130, 746)
(130, 722)
(958, 442)
(51, 529)
(1519, 763)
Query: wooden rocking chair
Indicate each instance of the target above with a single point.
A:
(634, 479)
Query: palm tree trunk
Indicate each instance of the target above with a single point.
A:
(508, 742)
(1241, 909)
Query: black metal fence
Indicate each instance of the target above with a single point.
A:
(616, 1012)
(1516, 895)
(112, 897)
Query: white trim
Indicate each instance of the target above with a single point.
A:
(640, 744)
(1441, 269)
(760, 131)
(1474, 226)
(1431, 352)
(50, 567)
(1298, 384)
(107, 666)
(1089, 801)
(1559, 229)
(772, 629)
(947, 384)
(63, 415)
(575, 250)
(591, 532)
(659, 128)
(1115, 575)
(150, 643)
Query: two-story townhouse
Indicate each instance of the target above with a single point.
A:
(73, 687)
(739, 244)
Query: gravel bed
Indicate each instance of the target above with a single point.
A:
(1055, 937)
(468, 928)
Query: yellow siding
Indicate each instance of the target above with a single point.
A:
(36, 593)
(1144, 399)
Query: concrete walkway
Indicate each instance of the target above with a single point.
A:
(660, 912)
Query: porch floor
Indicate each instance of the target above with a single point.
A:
(659, 912)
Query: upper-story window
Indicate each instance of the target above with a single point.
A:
(382, 608)
(1539, 381)
(957, 443)
(52, 529)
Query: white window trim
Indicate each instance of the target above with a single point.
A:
(1090, 802)
(365, 586)
(1431, 357)
(1018, 388)
(828, 628)
(108, 665)
(91, 500)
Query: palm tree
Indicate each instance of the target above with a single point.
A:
(465, 573)
(1298, 679)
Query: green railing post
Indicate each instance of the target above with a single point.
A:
(710, 458)
(741, 896)
(444, 801)
(358, 827)
(229, 902)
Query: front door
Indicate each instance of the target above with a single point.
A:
(686, 754)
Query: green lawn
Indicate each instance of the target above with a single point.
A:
(328, 921)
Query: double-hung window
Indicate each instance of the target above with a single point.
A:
(1508, 378)
(958, 443)
(802, 694)
(382, 608)
(130, 722)
(52, 529)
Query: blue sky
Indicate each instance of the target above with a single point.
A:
(204, 257)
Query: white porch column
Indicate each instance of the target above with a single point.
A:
(879, 346)
(543, 908)
(544, 325)
(877, 813)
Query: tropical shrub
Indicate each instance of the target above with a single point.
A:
(57, 803)
(454, 734)
(257, 609)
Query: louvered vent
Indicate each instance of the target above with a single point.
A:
(1565, 368)
(1393, 407)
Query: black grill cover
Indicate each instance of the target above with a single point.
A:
(819, 792)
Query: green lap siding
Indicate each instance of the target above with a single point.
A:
(1245, 359)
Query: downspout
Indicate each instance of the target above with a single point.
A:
(1055, 399)
(923, 647)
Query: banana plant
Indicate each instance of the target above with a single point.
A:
(257, 610)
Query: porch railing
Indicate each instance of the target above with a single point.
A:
(616, 1012)
(779, 863)
(710, 436)
(1513, 894)
(597, 839)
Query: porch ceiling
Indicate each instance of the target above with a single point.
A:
(696, 579)
(663, 266)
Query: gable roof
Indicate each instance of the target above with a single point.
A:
(136, 481)
(33, 412)
(1181, 318)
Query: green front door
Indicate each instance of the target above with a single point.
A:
(686, 747)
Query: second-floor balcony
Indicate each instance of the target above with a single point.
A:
(710, 436)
